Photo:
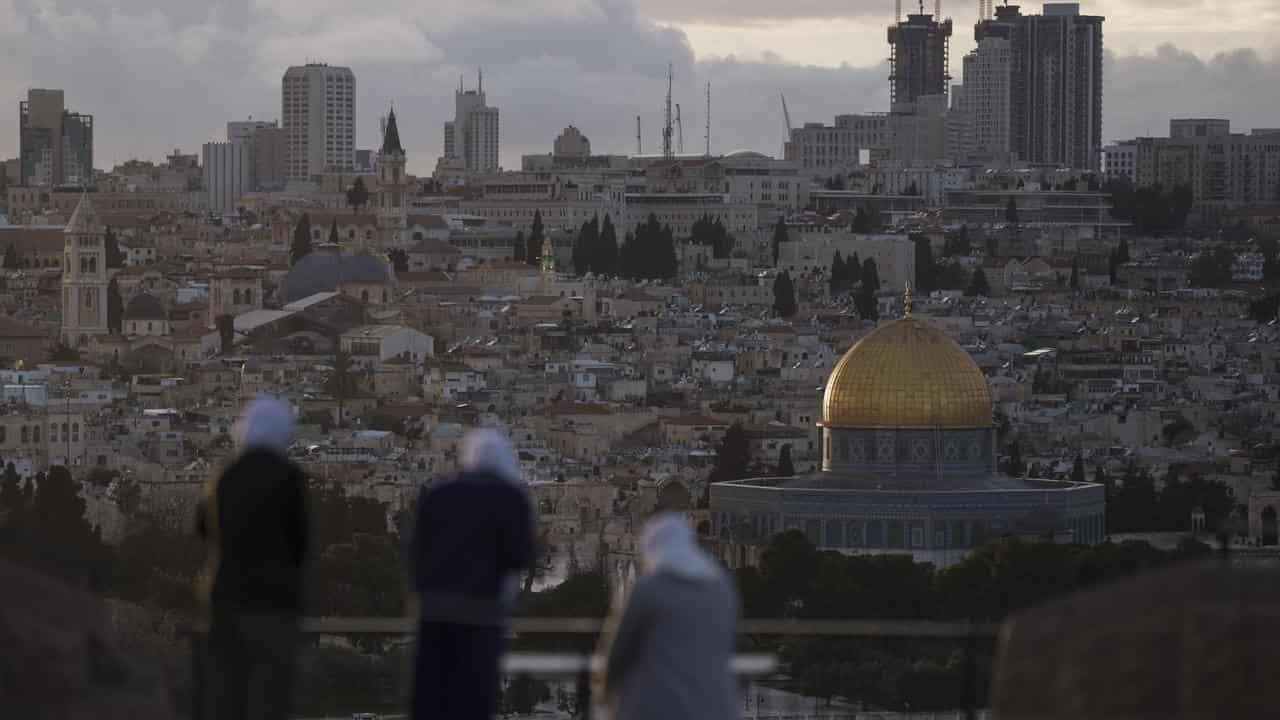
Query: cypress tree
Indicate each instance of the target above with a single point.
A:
(301, 240)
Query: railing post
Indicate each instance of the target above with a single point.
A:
(197, 675)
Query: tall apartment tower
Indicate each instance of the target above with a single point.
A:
(267, 143)
(1055, 93)
(918, 60)
(393, 186)
(55, 145)
(318, 107)
(84, 276)
(985, 98)
(472, 135)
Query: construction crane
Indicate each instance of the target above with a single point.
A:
(666, 127)
(708, 135)
(786, 116)
(679, 131)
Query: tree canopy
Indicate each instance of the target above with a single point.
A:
(357, 194)
(649, 253)
(784, 295)
(301, 246)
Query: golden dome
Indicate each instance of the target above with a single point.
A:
(906, 374)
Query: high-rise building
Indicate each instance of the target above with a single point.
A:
(56, 146)
(319, 117)
(471, 138)
(84, 277)
(1223, 170)
(267, 142)
(918, 61)
(825, 149)
(984, 99)
(1055, 92)
(228, 174)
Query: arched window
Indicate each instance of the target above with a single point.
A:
(75, 432)
(364, 296)
(35, 433)
(384, 296)
(26, 435)
(248, 297)
(235, 297)
(64, 431)
(53, 432)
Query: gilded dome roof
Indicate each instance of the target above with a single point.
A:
(906, 374)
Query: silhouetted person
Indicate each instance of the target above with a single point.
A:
(254, 515)
(669, 644)
(472, 537)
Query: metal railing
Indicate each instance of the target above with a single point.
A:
(582, 664)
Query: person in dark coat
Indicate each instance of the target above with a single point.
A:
(472, 537)
(254, 517)
(669, 645)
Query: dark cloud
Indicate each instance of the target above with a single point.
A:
(160, 74)
(1144, 91)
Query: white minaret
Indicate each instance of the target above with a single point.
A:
(84, 276)
(393, 187)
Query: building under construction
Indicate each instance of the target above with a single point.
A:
(919, 50)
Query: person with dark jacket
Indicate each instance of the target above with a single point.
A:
(254, 517)
(472, 537)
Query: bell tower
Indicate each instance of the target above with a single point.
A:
(393, 187)
(84, 276)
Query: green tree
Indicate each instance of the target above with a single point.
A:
(115, 308)
(111, 247)
(399, 260)
(1011, 211)
(342, 383)
(784, 295)
(62, 352)
(519, 247)
(11, 260)
(587, 246)
(334, 238)
(978, 285)
(786, 468)
(357, 194)
(1212, 267)
(607, 261)
(733, 457)
(1077, 470)
(864, 301)
(926, 270)
(779, 237)
(1122, 251)
(301, 240)
(1015, 465)
(226, 324)
(533, 245)
(835, 284)
(861, 222)
(1075, 275)
(870, 276)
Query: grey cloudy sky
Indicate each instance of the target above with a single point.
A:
(165, 74)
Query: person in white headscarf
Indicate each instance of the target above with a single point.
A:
(254, 518)
(669, 643)
(472, 537)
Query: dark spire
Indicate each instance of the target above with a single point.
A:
(391, 136)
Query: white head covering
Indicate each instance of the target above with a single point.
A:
(668, 546)
(490, 451)
(267, 424)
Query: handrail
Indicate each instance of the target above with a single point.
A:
(593, 626)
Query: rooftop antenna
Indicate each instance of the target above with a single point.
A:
(639, 148)
(679, 131)
(708, 135)
(897, 11)
(480, 80)
(666, 128)
(937, 10)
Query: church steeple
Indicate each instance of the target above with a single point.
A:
(391, 136)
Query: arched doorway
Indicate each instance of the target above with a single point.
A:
(1269, 526)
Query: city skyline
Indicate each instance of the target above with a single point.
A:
(614, 51)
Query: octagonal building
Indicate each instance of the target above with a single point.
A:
(908, 465)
